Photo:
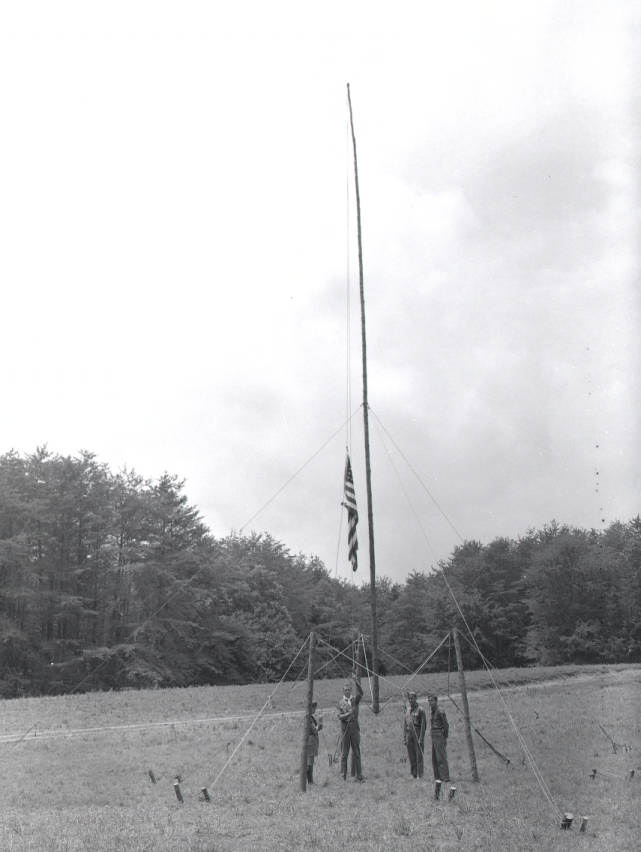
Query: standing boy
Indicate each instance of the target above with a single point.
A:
(348, 708)
(414, 726)
(439, 729)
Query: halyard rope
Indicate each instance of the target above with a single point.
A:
(257, 717)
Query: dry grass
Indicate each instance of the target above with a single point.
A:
(91, 790)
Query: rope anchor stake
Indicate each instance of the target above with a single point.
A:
(566, 822)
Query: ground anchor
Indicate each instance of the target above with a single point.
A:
(566, 822)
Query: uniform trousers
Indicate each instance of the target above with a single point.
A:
(415, 753)
(439, 756)
(351, 738)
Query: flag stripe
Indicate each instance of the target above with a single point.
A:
(352, 514)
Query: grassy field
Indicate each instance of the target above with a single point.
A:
(76, 769)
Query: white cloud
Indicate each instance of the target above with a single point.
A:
(179, 226)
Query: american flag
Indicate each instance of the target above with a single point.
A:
(352, 514)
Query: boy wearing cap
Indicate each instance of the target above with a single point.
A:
(350, 729)
(414, 725)
(439, 729)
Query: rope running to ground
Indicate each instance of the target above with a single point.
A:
(382, 677)
(330, 661)
(513, 684)
(488, 664)
(533, 766)
(505, 759)
(369, 677)
(395, 660)
(422, 666)
(535, 770)
(300, 469)
(179, 585)
(425, 488)
(318, 670)
(257, 717)
(405, 494)
(300, 677)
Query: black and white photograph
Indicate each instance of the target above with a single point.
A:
(320, 457)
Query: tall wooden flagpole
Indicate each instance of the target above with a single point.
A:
(368, 469)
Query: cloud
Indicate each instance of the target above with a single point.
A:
(179, 224)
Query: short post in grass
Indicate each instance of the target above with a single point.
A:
(466, 706)
(308, 713)
(152, 777)
(584, 824)
(177, 791)
(631, 774)
(437, 790)
(204, 792)
(452, 793)
(566, 822)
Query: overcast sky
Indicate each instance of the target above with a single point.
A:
(178, 246)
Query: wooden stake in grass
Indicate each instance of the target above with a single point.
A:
(205, 794)
(452, 793)
(152, 777)
(437, 790)
(584, 824)
(308, 713)
(566, 822)
(179, 795)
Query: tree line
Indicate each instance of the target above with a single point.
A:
(110, 580)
